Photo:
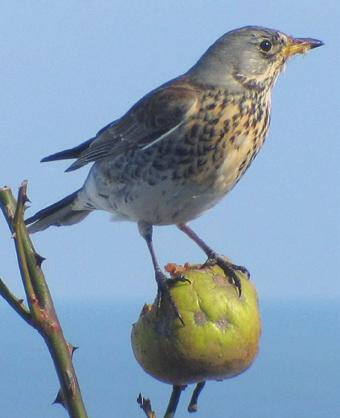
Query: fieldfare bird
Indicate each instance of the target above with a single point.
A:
(183, 146)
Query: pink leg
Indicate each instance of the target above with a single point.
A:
(214, 258)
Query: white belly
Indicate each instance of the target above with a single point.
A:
(162, 204)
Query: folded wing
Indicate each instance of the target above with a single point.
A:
(150, 120)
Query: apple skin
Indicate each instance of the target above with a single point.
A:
(221, 331)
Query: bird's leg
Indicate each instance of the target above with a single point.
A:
(145, 229)
(214, 258)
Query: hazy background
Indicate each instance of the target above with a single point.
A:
(67, 68)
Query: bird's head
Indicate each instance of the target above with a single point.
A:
(251, 57)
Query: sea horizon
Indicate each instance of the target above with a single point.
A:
(296, 373)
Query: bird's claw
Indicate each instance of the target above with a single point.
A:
(230, 270)
(163, 284)
(179, 278)
(241, 269)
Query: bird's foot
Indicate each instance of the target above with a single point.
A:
(164, 284)
(229, 269)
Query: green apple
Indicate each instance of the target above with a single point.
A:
(221, 331)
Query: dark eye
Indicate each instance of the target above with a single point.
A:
(266, 45)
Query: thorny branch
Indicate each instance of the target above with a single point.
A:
(40, 312)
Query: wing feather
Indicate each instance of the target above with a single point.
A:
(149, 121)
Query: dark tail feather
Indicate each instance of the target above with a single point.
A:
(70, 153)
(64, 212)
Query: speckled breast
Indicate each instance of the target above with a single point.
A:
(185, 174)
(220, 143)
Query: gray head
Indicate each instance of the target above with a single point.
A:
(250, 57)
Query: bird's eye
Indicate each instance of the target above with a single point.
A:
(266, 45)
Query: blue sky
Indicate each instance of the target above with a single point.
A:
(67, 68)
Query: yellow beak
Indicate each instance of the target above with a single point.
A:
(300, 46)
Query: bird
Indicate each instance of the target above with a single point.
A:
(182, 147)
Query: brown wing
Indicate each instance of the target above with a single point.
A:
(150, 120)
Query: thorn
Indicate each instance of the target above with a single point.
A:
(72, 348)
(39, 259)
(59, 399)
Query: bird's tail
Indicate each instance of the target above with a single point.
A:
(67, 211)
